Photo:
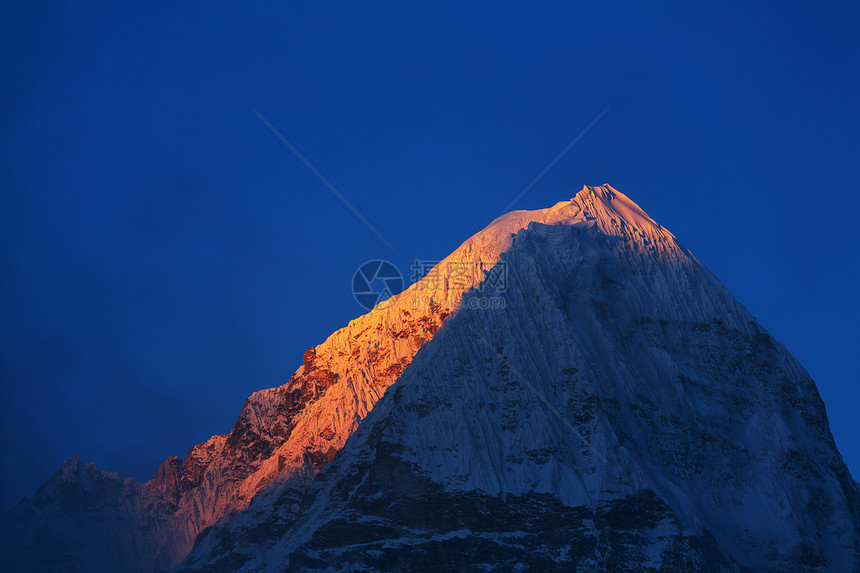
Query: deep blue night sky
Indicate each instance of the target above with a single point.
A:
(164, 255)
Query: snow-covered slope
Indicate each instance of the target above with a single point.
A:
(573, 390)
(620, 412)
(282, 434)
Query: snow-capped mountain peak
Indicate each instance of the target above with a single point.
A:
(613, 408)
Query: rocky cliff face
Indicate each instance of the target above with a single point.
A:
(284, 434)
(607, 406)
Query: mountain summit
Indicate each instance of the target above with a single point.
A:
(570, 389)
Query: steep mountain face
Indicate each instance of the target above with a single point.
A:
(620, 411)
(574, 391)
(284, 434)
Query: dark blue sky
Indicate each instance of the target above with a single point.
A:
(164, 254)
